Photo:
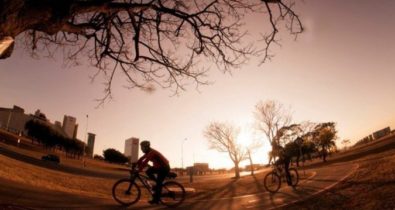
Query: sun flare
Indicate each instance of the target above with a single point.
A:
(245, 137)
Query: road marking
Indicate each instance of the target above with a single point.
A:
(356, 166)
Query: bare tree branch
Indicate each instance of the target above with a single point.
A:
(222, 137)
(150, 42)
(273, 120)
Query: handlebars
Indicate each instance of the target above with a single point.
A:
(134, 170)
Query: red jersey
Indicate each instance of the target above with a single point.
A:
(158, 160)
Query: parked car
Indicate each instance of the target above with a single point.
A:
(51, 158)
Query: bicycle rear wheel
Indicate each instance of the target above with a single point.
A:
(173, 194)
(126, 192)
(294, 177)
(272, 182)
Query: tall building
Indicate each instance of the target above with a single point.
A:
(70, 126)
(91, 143)
(381, 133)
(132, 149)
(58, 124)
(201, 168)
(14, 119)
(75, 131)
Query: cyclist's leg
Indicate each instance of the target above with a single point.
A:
(162, 173)
(151, 173)
(287, 174)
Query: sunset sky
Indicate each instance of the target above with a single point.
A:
(340, 69)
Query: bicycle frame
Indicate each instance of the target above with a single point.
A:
(278, 169)
(142, 178)
(173, 196)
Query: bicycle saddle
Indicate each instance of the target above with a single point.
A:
(171, 175)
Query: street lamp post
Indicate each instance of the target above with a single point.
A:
(182, 153)
(86, 140)
(9, 119)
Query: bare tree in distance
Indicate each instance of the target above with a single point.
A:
(345, 143)
(150, 42)
(287, 134)
(305, 128)
(270, 117)
(251, 148)
(223, 138)
(254, 143)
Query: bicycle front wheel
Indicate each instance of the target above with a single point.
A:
(126, 192)
(294, 177)
(173, 194)
(272, 182)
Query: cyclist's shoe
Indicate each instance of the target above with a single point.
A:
(153, 202)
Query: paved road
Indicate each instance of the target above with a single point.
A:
(323, 178)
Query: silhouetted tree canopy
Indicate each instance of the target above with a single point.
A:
(98, 157)
(150, 42)
(114, 156)
(49, 137)
(325, 136)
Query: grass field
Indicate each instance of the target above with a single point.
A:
(37, 151)
(50, 179)
(25, 173)
(372, 186)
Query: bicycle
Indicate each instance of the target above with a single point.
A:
(127, 192)
(272, 180)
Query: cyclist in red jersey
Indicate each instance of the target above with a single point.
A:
(160, 167)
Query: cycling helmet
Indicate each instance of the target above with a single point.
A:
(145, 143)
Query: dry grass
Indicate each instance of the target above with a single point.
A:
(371, 187)
(49, 179)
(98, 187)
(39, 177)
(37, 151)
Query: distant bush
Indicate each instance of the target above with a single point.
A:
(98, 157)
(114, 156)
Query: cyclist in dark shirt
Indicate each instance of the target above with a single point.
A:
(160, 167)
(284, 158)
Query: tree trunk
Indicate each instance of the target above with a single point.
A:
(323, 154)
(270, 157)
(251, 164)
(18, 16)
(237, 169)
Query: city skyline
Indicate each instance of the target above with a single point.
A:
(340, 69)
